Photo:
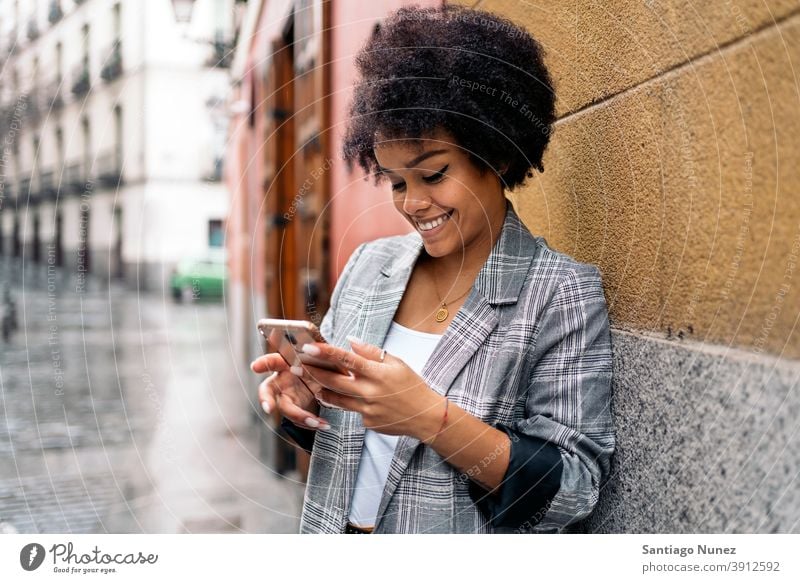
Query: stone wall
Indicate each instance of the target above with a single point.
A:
(673, 168)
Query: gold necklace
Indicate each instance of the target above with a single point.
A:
(442, 313)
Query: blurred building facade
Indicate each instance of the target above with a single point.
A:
(113, 129)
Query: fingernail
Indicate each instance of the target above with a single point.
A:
(296, 370)
(354, 340)
(312, 422)
(311, 349)
(265, 406)
(325, 427)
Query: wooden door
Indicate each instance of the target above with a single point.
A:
(279, 180)
(296, 180)
(312, 161)
(278, 107)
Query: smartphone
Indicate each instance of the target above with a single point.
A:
(287, 337)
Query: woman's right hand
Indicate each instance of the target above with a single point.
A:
(287, 392)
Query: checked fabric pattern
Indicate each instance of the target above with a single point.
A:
(530, 348)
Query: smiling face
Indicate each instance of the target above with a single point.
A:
(454, 205)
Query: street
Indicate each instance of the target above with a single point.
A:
(125, 413)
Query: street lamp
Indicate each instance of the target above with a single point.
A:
(183, 10)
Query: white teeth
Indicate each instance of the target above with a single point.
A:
(433, 224)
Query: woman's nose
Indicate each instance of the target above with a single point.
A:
(415, 202)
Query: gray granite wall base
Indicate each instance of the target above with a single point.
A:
(708, 441)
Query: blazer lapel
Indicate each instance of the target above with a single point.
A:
(498, 282)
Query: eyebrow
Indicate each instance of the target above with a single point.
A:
(411, 163)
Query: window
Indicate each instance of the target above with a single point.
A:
(87, 148)
(59, 60)
(59, 149)
(118, 137)
(117, 20)
(85, 41)
(216, 235)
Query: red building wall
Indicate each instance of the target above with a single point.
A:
(360, 210)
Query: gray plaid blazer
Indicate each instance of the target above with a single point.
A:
(530, 348)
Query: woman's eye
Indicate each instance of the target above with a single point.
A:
(436, 176)
(398, 186)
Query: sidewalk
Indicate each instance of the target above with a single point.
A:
(122, 413)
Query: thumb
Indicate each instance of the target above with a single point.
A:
(369, 351)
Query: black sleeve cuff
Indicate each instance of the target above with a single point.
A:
(302, 437)
(531, 482)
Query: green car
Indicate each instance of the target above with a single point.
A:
(198, 278)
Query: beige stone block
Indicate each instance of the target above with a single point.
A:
(684, 191)
(597, 49)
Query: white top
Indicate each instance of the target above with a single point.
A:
(414, 348)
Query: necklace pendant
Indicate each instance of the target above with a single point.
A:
(442, 313)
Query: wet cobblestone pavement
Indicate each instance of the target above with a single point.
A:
(124, 413)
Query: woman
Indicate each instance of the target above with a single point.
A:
(478, 398)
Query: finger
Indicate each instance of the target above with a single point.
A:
(273, 386)
(300, 416)
(298, 371)
(286, 382)
(332, 380)
(340, 400)
(368, 351)
(302, 379)
(345, 358)
(269, 363)
(266, 395)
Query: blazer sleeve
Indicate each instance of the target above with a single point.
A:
(303, 436)
(560, 453)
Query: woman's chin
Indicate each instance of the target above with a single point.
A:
(438, 249)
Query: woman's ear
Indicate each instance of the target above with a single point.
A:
(501, 171)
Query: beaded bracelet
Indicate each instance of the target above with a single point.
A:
(444, 420)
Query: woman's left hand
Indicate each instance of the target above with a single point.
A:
(391, 397)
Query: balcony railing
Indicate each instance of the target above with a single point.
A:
(47, 185)
(112, 67)
(55, 13)
(33, 106)
(55, 97)
(74, 179)
(28, 190)
(8, 194)
(6, 114)
(81, 81)
(222, 52)
(33, 30)
(109, 168)
(215, 175)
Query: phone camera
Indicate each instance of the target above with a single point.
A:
(290, 337)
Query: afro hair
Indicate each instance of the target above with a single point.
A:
(476, 75)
